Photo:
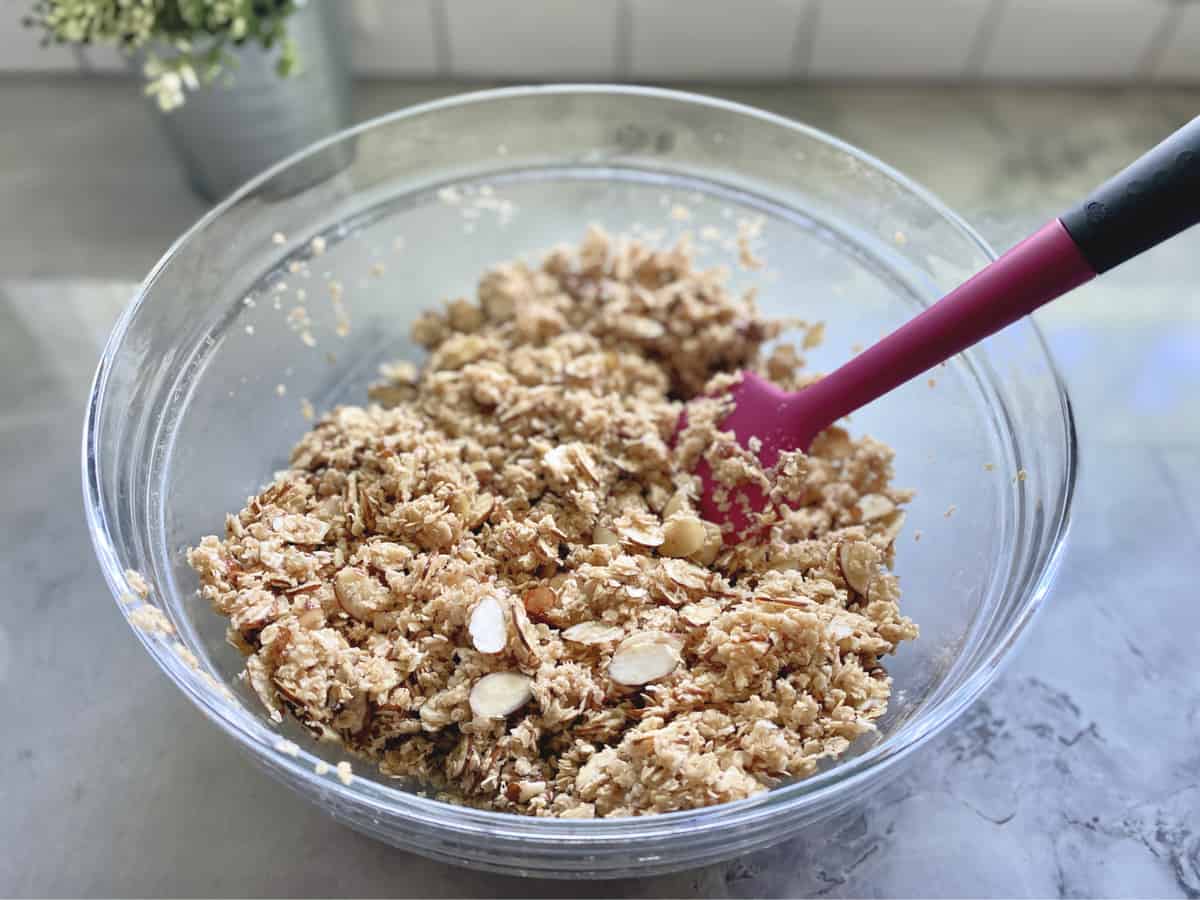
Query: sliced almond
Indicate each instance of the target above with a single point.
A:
(682, 536)
(488, 631)
(678, 503)
(540, 601)
(592, 633)
(874, 506)
(713, 541)
(859, 561)
(525, 630)
(500, 694)
(643, 658)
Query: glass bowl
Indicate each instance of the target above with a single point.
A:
(198, 399)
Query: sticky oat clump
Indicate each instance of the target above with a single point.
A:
(493, 578)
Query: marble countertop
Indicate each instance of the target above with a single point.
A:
(1078, 773)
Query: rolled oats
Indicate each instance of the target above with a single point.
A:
(492, 582)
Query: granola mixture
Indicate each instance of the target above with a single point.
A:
(492, 579)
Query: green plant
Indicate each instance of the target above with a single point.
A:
(197, 34)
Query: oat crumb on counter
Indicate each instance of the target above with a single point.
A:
(344, 773)
(494, 582)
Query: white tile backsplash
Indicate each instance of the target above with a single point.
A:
(392, 37)
(1180, 59)
(1072, 40)
(20, 47)
(916, 39)
(713, 39)
(535, 39)
(1051, 41)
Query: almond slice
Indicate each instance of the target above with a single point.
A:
(592, 633)
(678, 503)
(713, 541)
(525, 631)
(859, 561)
(539, 600)
(643, 658)
(682, 536)
(874, 506)
(487, 628)
(500, 694)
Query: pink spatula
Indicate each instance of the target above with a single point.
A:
(1152, 200)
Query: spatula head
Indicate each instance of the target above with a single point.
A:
(773, 416)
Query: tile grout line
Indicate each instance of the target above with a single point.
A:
(1159, 43)
(984, 39)
(805, 41)
(623, 49)
(442, 59)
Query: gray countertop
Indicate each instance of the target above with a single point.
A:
(1078, 773)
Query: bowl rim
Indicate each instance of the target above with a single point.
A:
(439, 815)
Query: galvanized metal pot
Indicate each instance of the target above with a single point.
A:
(227, 133)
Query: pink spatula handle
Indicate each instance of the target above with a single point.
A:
(1043, 266)
(1156, 197)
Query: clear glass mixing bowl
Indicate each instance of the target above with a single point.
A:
(187, 417)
